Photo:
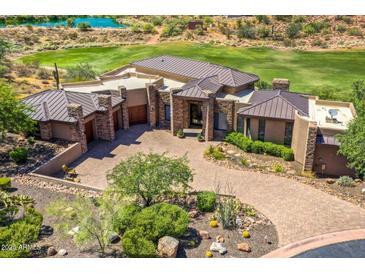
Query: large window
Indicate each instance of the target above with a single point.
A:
(240, 124)
(261, 135)
(220, 121)
(288, 133)
(167, 113)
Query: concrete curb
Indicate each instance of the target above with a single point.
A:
(296, 248)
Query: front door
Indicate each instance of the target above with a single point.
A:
(196, 115)
(89, 131)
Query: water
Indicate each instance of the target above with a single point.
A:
(95, 22)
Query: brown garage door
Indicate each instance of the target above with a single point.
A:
(89, 132)
(137, 115)
(115, 120)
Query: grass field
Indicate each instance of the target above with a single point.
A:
(306, 70)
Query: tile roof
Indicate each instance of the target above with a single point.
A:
(198, 69)
(52, 104)
(196, 88)
(276, 104)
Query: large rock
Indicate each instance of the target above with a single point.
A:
(244, 247)
(167, 247)
(193, 213)
(204, 234)
(51, 251)
(218, 247)
(62, 252)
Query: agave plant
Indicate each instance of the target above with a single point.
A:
(227, 211)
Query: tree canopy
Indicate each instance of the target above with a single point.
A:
(150, 176)
(14, 115)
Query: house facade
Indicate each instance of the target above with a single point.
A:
(182, 94)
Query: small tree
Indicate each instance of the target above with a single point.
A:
(150, 176)
(81, 72)
(13, 113)
(358, 96)
(84, 26)
(94, 219)
(70, 22)
(293, 29)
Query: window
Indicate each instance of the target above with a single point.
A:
(248, 127)
(288, 133)
(240, 124)
(167, 113)
(261, 135)
(220, 121)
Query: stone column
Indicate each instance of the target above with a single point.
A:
(152, 104)
(208, 116)
(75, 111)
(125, 113)
(310, 147)
(280, 84)
(104, 119)
(177, 111)
(45, 130)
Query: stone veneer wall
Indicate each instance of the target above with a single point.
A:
(177, 112)
(208, 117)
(310, 147)
(75, 111)
(227, 107)
(45, 130)
(104, 120)
(152, 104)
(163, 99)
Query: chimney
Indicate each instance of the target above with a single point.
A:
(280, 84)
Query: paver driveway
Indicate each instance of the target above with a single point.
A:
(299, 211)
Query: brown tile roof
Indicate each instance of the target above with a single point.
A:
(52, 104)
(196, 88)
(276, 104)
(198, 69)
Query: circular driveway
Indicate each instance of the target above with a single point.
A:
(299, 211)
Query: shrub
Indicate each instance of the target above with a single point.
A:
(43, 74)
(200, 137)
(263, 32)
(180, 133)
(148, 28)
(206, 201)
(157, 20)
(84, 26)
(284, 18)
(244, 161)
(260, 85)
(19, 155)
(347, 20)
(124, 217)
(263, 19)
(161, 220)
(247, 31)
(81, 72)
(249, 211)
(214, 152)
(354, 32)
(136, 245)
(341, 28)
(309, 29)
(5, 182)
(278, 168)
(31, 140)
(293, 29)
(227, 212)
(345, 181)
(259, 147)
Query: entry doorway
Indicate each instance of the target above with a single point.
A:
(196, 115)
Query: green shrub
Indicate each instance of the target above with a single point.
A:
(5, 182)
(309, 29)
(247, 31)
(345, 181)
(214, 152)
(124, 217)
(136, 245)
(259, 147)
(293, 30)
(263, 19)
(84, 26)
(260, 85)
(31, 140)
(341, 28)
(278, 168)
(180, 133)
(19, 155)
(354, 32)
(244, 162)
(206, 201)
(263, 32)
(161, 220)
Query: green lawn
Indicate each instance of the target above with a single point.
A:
(306, 70)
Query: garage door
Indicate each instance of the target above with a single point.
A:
(115, 120)
(137, 115)
(89, 132)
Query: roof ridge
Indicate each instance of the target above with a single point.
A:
(290, 103)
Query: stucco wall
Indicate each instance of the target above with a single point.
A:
(335, 165)
(300, 133)
(137, 97)
(66, 157)
(274, 130)
(63, 130)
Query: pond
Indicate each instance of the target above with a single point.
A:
(95, 22)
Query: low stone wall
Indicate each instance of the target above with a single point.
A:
(66, 157)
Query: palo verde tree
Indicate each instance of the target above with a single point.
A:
(353, 140)
(14, 115)
(150, 176)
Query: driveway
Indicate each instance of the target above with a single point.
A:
(299, 211)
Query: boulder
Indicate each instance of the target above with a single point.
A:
(193, 213)
(245, 247)
(330, 181)
(51, 251)
(218, 247)
(204, 234)
(62, 252)
(167, 247)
